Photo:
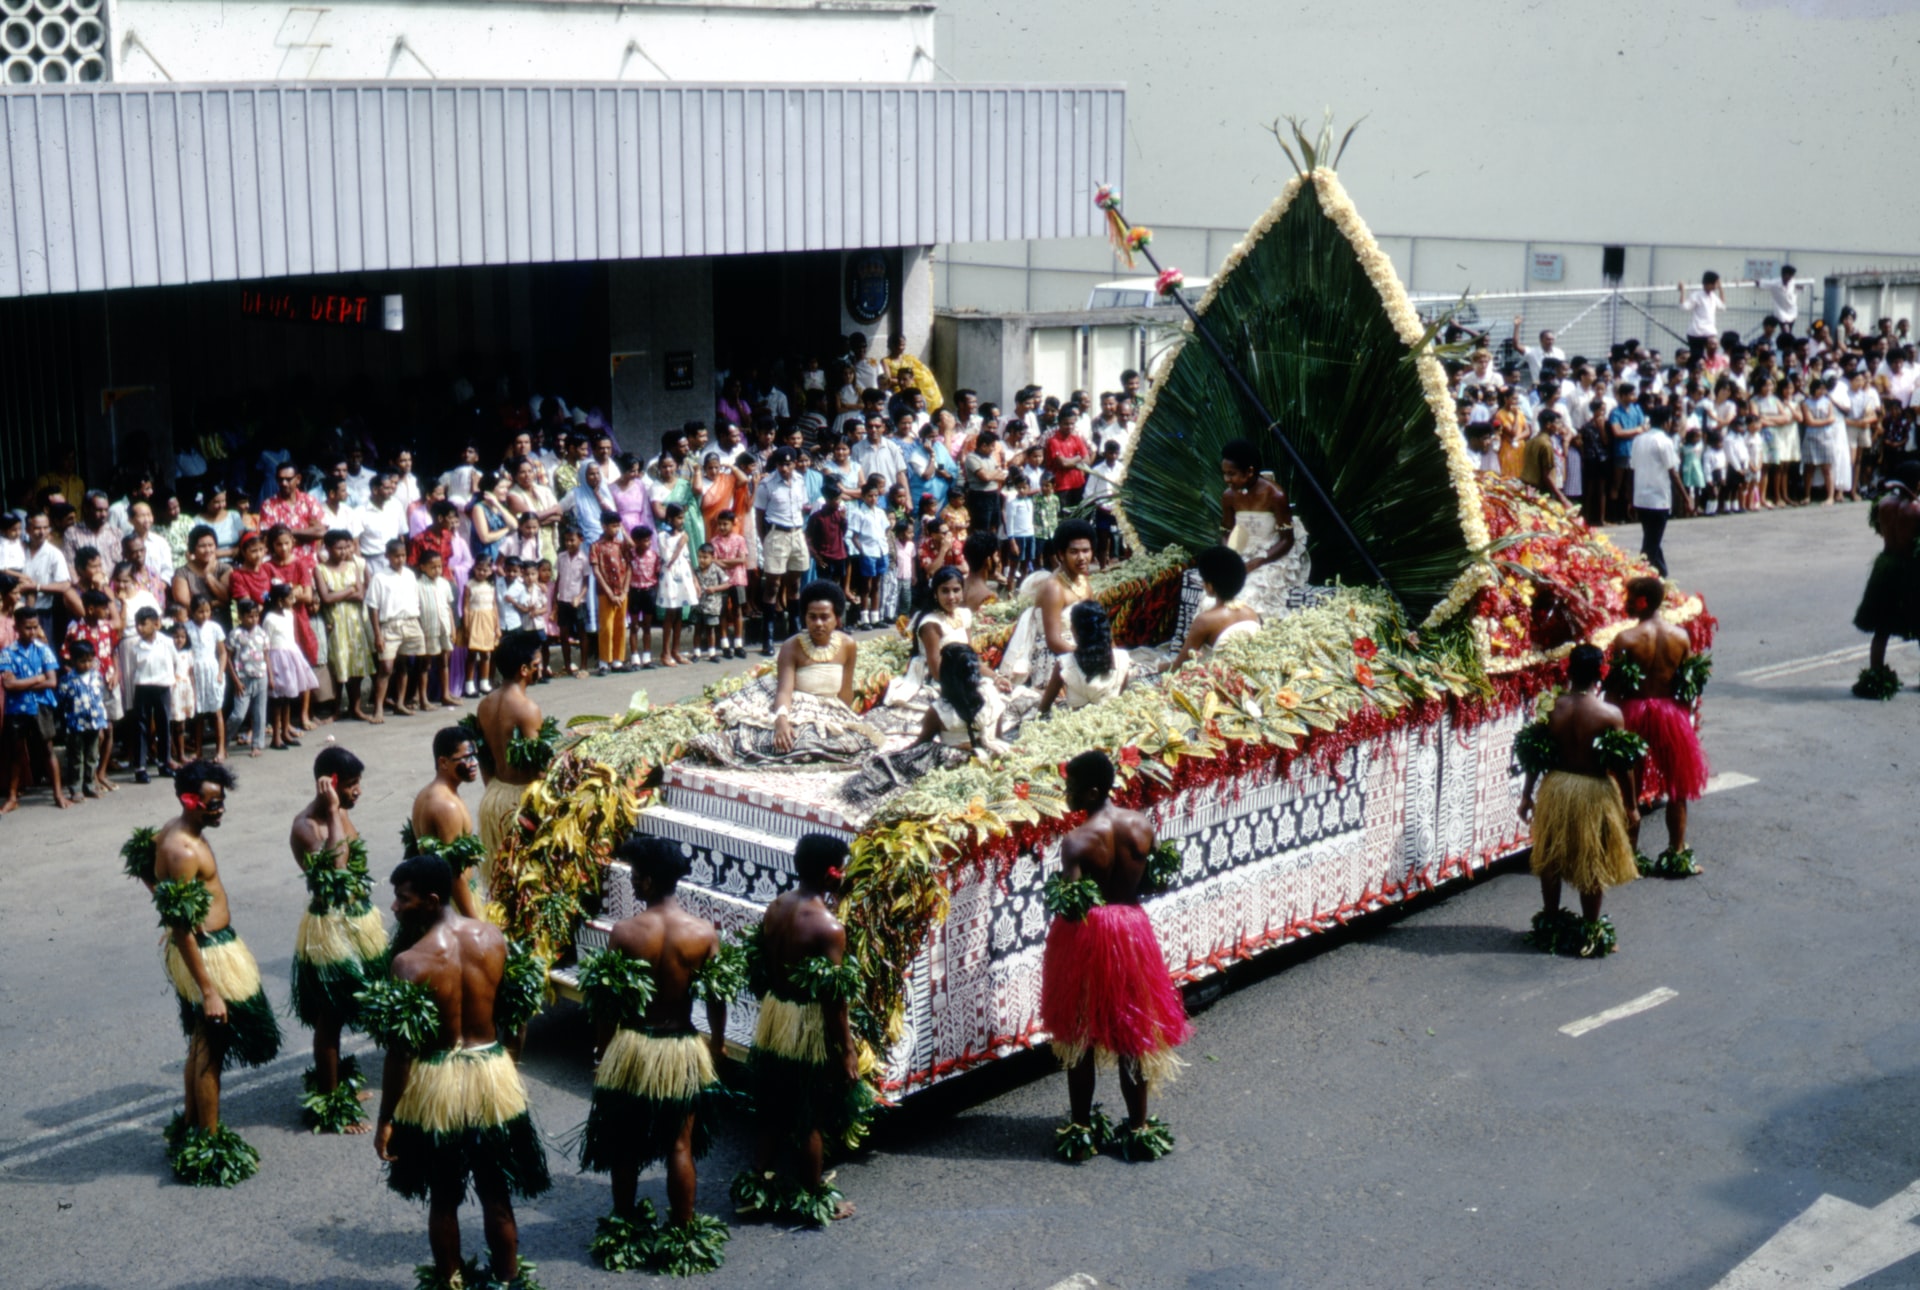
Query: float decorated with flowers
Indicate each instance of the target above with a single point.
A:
(1352, 752)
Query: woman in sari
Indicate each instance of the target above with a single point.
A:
(630, 496)
(670, 487)
(490, 515)
(227, 525)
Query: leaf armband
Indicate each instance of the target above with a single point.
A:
(1163, 866)
(400, 1014)
(1534, 749)
(1690, 679)
(183, 903)
(523, 989)
(753, 954)
(1070, 898)
(138, 854)
(723, 978)
(1625, 675)
(825, 981)
(536, 754)
(461, 854)
(618, 988)
(331, 886)
(1619, 749)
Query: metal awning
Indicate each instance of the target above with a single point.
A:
(124, 186)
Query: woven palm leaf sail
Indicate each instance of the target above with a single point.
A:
(1310, 311)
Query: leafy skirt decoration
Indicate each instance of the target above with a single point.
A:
(335, 956)
(643, 1092)
(1580, 832)
(251, 1036)
(463, 1118)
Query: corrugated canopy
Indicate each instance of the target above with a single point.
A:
(119, 186)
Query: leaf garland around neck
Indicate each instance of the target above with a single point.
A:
(618, 988)
(461, 854)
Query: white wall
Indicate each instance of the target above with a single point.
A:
(496, 40)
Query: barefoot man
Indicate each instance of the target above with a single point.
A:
(655, 1089)
(223, 1009)
(804, 1066)
(1652, 675)
(1891, 603)
(1584, 813)
(1043, 632)
(453, 1111)
(508, 712)
(341, 946)
(440, 818)
(1106, 997)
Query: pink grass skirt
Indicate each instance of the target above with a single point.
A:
(1104, 986)
(1676, 766)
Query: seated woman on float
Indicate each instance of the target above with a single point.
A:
(1223, 615)
(969, 713)
(1096, 670)
(1259, 525)
(948, 622)
(803, 713)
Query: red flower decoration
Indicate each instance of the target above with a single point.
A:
(1363, 674)
(1130, 757)
(1021, 790)
(1365, 648)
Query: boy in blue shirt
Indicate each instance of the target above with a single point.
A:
(83, 711)
(29, 675)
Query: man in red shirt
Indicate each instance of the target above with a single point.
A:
(1066, 454)
(436, 537)
(300, 513)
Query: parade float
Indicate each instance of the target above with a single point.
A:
(1352, 753)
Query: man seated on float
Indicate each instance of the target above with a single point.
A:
(803, 713)
(949, 621)
(1043, 632)
(1096, 669)
(1261, 527)
(1223, 615)
(982, 554)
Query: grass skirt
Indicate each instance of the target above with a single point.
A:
(499, 818)
(252, 1035)
(1104, 989)
(795, 1086)
(1580, 832)
(1891, 602)
(642, 1093)
(1676, 765)
(464, 1118)
(335, 955)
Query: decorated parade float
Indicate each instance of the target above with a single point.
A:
(1354, 751)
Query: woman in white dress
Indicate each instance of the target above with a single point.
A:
(1222, 615)
(1095, 671)
(948, 622)
(1260, 526)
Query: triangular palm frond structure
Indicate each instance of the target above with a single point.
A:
(1310, 310)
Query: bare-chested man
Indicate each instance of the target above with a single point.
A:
(1891, 604)
(656, 1086)
(1675, 769)
(1044, 632)
(223, 1009)
(1105, 995)
(1222, 573)
(804, 1065)
(453, 1111)
(341, 946)
(440, 817)
(1584, 814)
(507, 712)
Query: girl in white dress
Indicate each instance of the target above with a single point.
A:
(949, 622)
(679, 588)
(1096, 670)
(1262, 529)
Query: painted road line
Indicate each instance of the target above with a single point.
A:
(1812, 663)
(1727, 779)
(1651, 999)
(1835, 1243)
(1078, 1281)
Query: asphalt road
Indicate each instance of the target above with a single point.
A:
(1399, 1109)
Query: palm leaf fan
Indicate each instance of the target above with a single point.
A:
(1310, 310)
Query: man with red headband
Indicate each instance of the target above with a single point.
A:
(1656, 679)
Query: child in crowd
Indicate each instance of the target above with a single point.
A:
(96, 627)
(247, 669)
(437, 632)
(393, 613)
(902, 573)
(30, 677)
(679, 587)
(1693, 470)
(511, 596)
(730, 553)
(1016, 513)
(481, 626)
(827, 537)
(147, 664)
(640, 594)
(83, 714)
(716, 586)
(612, 575)
(572, 579)
(544, 618)
(288, 674)
(1046, 510)
(207, 644)
(868, 553)
(1715, 463)
(180, 704)
(1103, 485)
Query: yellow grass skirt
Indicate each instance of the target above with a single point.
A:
(1580, 832)
(672, 1068)
(463, 1118)
(335, 956)
(643, 1092)
(499, 818)
(250, 1036)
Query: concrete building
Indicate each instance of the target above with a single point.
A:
(254, 222)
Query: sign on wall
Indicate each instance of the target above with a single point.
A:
(1760, 270)
(869, 286)
(679, 373)
(326, 308)
(1548, 266)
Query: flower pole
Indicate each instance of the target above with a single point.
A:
(1131, 238)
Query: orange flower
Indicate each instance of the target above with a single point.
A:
(1021, 790)
(977, 809)
(1363, 674)
(1287, 699)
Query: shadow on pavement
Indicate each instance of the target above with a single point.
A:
(96, 1102)
(1435, 940)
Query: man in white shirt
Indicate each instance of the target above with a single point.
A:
(1537, 355)
(781, 501)
(45, 576)
(1786, 302)
(869, 372)
(393, 614)
(1703, 306)
(1481, 374)
(966, 413)
(1656, 482)
(879, 455)
(359, 478)
(382, 520)
(337, 513)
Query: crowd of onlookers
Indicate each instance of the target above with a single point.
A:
(144, 625)
(1722, 424)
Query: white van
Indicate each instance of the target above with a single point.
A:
(1138, 293)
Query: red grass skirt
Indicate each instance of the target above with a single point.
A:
(1104, 988)
(1676, 765)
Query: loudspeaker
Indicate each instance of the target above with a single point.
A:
(1613, 262)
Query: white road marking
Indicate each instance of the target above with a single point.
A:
(1812, 663)
(1078, 1281)
(1651, 999)
(1726, 780)
(148, 1112)
(1833, 1244)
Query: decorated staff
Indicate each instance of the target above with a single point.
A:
(1890, 605)
(804, 1066)
(440, 822)
(341, 946)
(223, 1009)
(1581, 757)
(453, 1111)
(656, 1087)
(1657, 679)
(1105, 995)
